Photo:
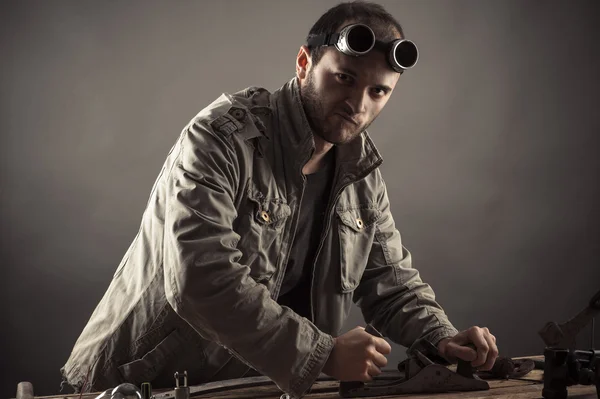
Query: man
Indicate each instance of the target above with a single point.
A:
(268, 218)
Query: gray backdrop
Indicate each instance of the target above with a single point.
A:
(491, 151)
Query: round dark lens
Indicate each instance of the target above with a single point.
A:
(360, 39)
(406, 54)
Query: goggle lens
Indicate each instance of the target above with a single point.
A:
(406, 54)
(360, 38)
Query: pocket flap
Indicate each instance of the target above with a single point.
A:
(359, 218)
(269, 211)
(272, 212)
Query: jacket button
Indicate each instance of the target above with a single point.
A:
(238, 113)
(359, 223)
(265, 216)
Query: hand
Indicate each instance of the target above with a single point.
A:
(357, 356)
(486, 354)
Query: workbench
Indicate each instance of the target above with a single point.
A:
(530, 386)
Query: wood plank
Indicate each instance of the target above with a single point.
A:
(528, 387)
(498, 388)
(527, 391)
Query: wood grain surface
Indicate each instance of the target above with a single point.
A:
(528, 387)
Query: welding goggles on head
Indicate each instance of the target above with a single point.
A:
(359, 39)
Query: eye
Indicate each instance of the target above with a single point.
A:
(379, 92)
(344, 78)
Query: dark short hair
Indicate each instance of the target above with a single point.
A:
(384, 25)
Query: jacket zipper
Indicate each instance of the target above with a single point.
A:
(330, 206)
(293, 236)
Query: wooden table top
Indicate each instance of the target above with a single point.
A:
(530, 386)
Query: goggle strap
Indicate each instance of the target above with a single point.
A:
(324, 40)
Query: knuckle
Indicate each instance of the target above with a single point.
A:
(365, 366)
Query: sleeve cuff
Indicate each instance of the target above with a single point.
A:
(436, 336)
(428, 344)
(313, 366)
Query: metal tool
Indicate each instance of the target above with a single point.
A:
(121, 391)
(421, 376)
(563, 368)
(563, 364)
(146, 390)
(563, 335)
(506, 368)
(181, 391)
(24, 390)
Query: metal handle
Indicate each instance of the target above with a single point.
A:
(464, 367)
(24, 390)
(373, 331)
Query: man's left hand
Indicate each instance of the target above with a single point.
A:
(483, 358)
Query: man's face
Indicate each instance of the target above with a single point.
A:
(343, 94)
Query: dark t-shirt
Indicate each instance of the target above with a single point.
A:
(295, 289)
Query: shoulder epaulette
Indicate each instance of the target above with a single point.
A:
(232, 121)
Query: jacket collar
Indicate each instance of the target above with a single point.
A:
(355, 159)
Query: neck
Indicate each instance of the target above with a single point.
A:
(317, 160)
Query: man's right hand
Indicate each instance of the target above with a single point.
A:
(357, 356)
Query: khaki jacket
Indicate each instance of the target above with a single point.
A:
(197, 288)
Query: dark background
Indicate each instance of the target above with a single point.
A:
(491, 147)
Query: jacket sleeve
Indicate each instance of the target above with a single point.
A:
(207, 286)
(391, 294)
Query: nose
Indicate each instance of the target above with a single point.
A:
(357, 101)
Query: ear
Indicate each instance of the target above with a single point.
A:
(303, 62)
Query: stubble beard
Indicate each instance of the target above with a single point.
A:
(315, 113)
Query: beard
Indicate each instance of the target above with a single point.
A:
(316, 113)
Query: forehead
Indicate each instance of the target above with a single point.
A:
(373, 67)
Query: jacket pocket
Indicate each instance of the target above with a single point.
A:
(356, 229)
(260, 228)
(149, 366)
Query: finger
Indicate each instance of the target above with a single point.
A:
(378, 359)
(373, 370)
(381, 345)
(462, 338)
(366, 377)
(492, 353)
(477, 338)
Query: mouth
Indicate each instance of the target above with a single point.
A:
(347, 118)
